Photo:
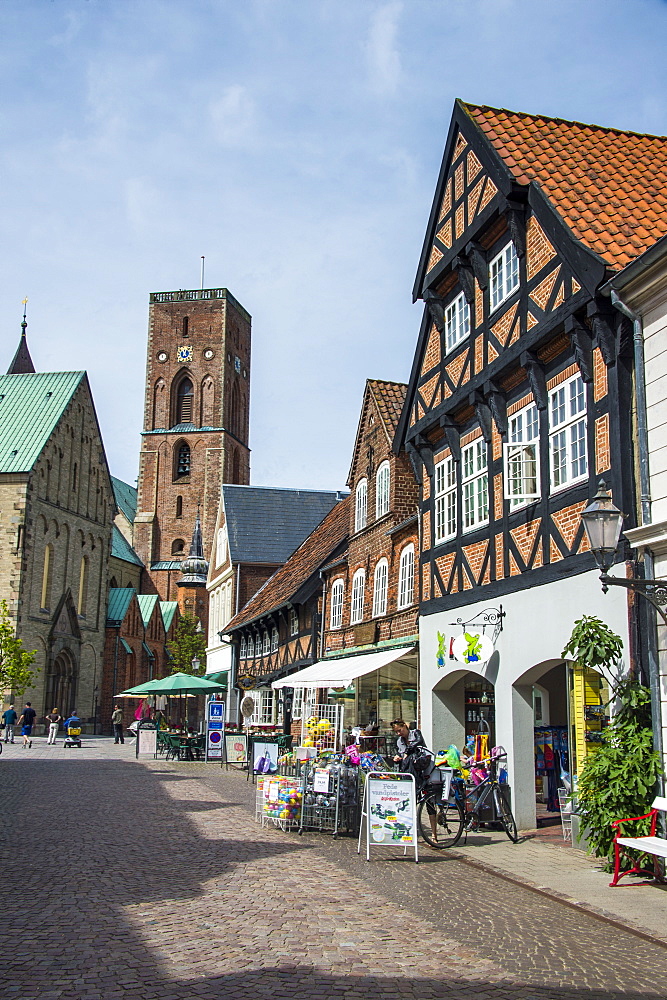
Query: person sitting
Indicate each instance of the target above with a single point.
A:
(74, 721)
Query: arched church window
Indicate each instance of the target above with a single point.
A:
(184, 400)
(183, 460)
(177, 547)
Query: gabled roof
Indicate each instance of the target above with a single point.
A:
(168, 609)
(121, 548)
(147, 604)
(266, 524)
(389, 398)
(119, 602)
(30, 407)
(126, 498)
(311, 555)
(609, 186)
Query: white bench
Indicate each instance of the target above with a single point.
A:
(652, 844)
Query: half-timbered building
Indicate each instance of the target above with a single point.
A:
(520, 400)
(278, 631)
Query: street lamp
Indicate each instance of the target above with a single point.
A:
(196, 663)
(602, 522)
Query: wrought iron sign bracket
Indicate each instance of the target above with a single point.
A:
(655, 591)
(490, 618)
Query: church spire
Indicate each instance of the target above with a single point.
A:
(22, 363)
(195, 567)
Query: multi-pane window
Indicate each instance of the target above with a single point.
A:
(337, 592)
(266, 649)
(475, 484)
(382, 490)
(360, 505)
(406, 577)
(567, 433)
(293, 622)
(380, 589)
(358, 586)
(274, 639)
(242, 650)
(457, 321)
(251, 647)
(503, 275)
(445, 500)
(263, 714)
(522, 480)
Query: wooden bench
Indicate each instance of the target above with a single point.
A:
(652, 844)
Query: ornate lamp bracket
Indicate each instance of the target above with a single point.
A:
(491, 618)
(655, 591)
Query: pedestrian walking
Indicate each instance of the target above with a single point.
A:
(26, 722)
(9, 718)
(117, 720)
(54, 721)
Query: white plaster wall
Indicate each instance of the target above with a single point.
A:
(651, 303)
(537, 625)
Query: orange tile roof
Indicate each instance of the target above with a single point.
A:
(311, 554)
(609, 186)
(390, 397)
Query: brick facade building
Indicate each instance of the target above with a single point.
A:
(196, 416)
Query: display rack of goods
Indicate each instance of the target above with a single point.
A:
(279, 801)
(330, 796)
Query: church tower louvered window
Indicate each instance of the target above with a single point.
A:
(184, 402)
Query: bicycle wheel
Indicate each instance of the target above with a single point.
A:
(448, 821)
(504, 813)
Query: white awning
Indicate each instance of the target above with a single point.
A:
(339, 672)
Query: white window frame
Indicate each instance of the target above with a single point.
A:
(293, 622)
(361, 505)
(380, 581)
(221, 547)
(406, 577)
(337, 595)
(474, 485)
(522, 457)
(242, 648)
(263, 714)
(250, 652)
(457, 321)
(503, 275)
(266, 644)
(274, 639)
(568, 430)
(358, 588)
(297, 703)
(444, 508)
(382, 483)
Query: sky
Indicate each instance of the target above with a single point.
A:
(296, 145)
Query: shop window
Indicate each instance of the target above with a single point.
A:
(406, 577)
(567, 433)
(457, 321)
(445, 500)
(474, 485)
(360, 505)
(263, 714)
(337, 592)
(503, 275)
(358, 586)
(522, 483)
(380, 589)
(382, 490)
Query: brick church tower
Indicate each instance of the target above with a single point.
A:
(196, 417)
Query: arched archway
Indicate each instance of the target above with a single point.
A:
(60, 689)
(182, 399)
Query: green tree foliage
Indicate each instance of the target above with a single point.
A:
(189, 642)
(618, 778)
(16, 673)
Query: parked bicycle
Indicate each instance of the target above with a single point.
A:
(451, 814)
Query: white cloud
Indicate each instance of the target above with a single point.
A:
(233, 116)
(384, 63)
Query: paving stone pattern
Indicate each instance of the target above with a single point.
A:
(151, 879)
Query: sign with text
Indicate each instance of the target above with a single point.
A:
(390, 812)
(215, 723)
(236, 748)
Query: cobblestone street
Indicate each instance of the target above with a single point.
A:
(151, 879)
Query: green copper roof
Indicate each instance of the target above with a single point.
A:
(126, 646)
(147, 604)
(168, 609)
(30, 407)
(121, 548)
(119, 602)
(126, 498)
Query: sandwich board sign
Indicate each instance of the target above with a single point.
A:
(389, 812)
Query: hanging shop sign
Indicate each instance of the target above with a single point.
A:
(472, 648)
(246, 682)
(389, 812)
(215, 724)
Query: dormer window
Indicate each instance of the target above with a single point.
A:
(457, 321)
(503, 275)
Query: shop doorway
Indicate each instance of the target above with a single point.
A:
(463, 705)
